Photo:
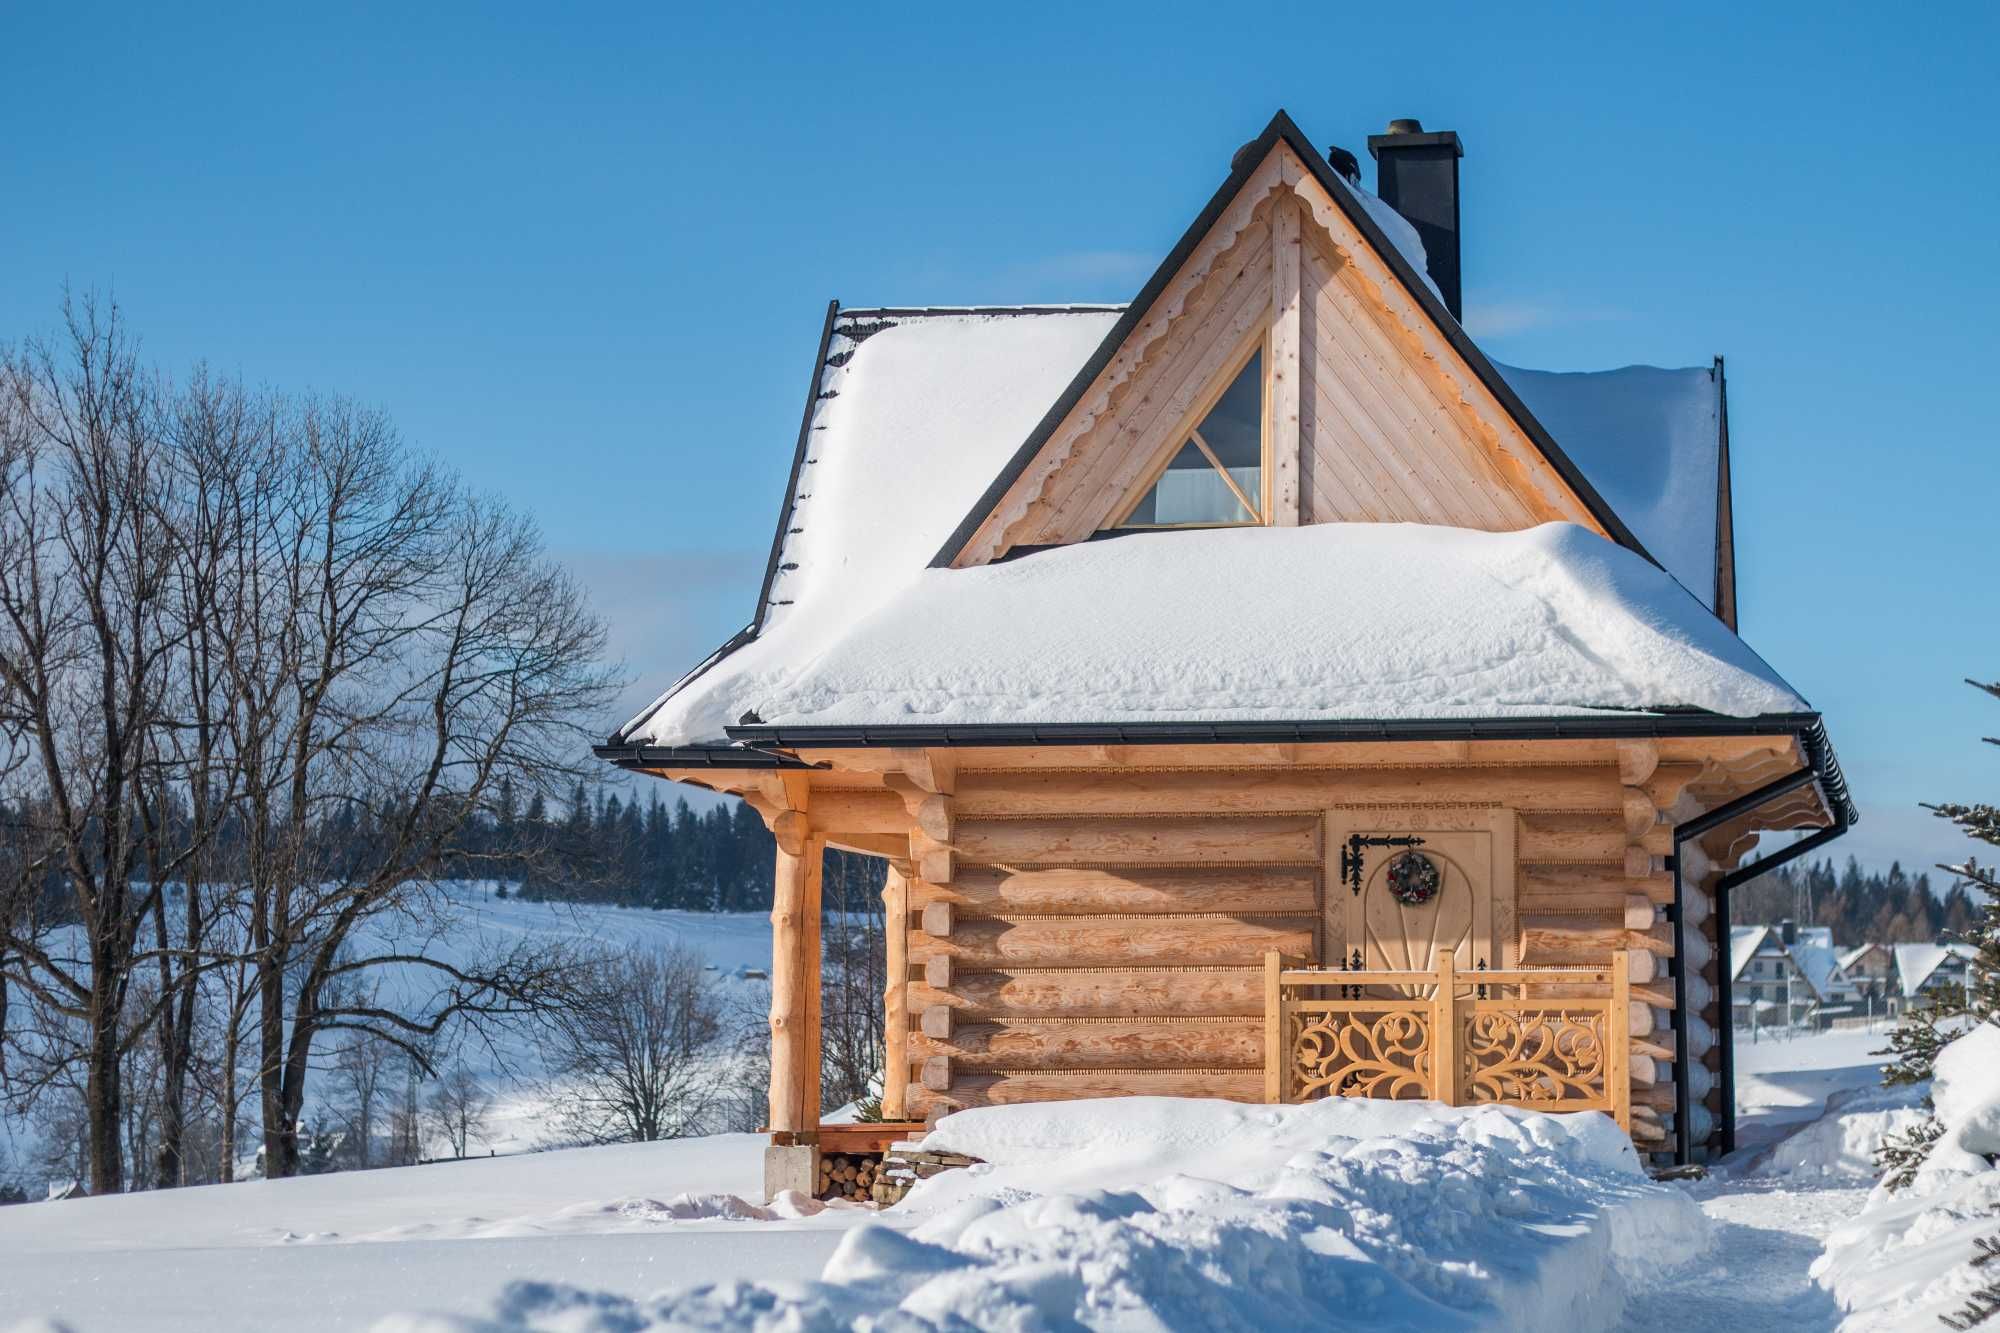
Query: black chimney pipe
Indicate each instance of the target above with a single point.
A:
(1416, 173)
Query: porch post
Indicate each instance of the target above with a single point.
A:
(1444, 1030)
(790, 1162)
(895, 994)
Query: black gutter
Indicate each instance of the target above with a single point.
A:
(1806, 727)
(1820, 769)
(1242, 167)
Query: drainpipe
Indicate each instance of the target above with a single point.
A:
(1725, 1025)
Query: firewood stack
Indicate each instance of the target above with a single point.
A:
(848, 1175)
(907, 1163)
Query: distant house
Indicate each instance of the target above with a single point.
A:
(1872, 969)
(1787, 976)
(1178, 655)
(1923, 969)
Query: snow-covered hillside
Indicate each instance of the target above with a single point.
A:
(514, 1065)
(508, 1057)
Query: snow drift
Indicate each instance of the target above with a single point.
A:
(1330, 621)
(1158, 1213)
(1908, 1256)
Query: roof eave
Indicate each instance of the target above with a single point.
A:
(768, 746)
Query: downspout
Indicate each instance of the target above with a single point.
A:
(1725, 1030)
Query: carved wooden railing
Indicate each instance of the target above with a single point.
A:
(1550, 1039)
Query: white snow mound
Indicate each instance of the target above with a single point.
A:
(1164, 1213)
(1325, 622)
(1907, 1258)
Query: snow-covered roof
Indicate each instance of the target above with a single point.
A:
(1916, 962)
(1850, 957)
(1744, 941)
(1821, 970)
(1822, 936)
(916, 413)
(1324, 622)
(1650, 441)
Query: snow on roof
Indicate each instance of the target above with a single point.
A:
(917, 412)
(1850, 957)
(1334, 621)
(1397, 228)
(1744, 941)
(1817, 964)
(1916, 962)
(1649, 440)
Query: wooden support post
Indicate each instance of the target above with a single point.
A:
(811, 949)
(1276, 1057)
(794, 1101)
(1444, 1030)
(1618, 1046)
(895, 998)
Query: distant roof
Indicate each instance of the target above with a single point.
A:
(1821, 969)
(1916, 962)
(1744, 941)
(1849, 957)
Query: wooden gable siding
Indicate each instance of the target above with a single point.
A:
(1123, 449)
(1372, 417)
(1378, 443)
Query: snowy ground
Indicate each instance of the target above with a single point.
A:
(1314, 1214)
(1788, 1186)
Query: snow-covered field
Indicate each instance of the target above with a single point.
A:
(1337, 1213)
(1139, 1213)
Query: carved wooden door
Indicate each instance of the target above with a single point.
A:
(1403, 889)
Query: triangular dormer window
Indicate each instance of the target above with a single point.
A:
(1214, 476)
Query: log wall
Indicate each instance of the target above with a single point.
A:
(1100, 930)
(1091, 920)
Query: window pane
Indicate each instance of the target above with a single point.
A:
(1191, 490)
(1234, 427)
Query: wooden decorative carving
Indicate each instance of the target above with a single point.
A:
(1537, 1057)
(1361, 1048)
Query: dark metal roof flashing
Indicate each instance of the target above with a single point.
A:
(1807, 727)
(1416, 173)
(1245, 161)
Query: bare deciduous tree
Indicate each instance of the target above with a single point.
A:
(638, 1049)
(458, 1108)
(223, 611)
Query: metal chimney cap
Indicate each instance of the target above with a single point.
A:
(1406, 125)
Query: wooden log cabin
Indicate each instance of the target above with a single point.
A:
(1256, 692)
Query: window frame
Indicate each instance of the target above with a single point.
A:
(1256, 344)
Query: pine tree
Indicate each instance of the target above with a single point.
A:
(1923, 1031)
(1921, 1034)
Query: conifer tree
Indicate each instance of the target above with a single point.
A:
(1922, 1032)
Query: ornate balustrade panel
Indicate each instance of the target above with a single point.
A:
(1498, 1037)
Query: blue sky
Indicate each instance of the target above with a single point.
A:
(582, 252)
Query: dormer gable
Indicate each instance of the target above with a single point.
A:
(1372, 406)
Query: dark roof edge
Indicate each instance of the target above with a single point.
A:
(798, 465)
(735, 641)
(1246, 162)
(1809, 728)
(919, 311)
(756, 625)
(1725, 509)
